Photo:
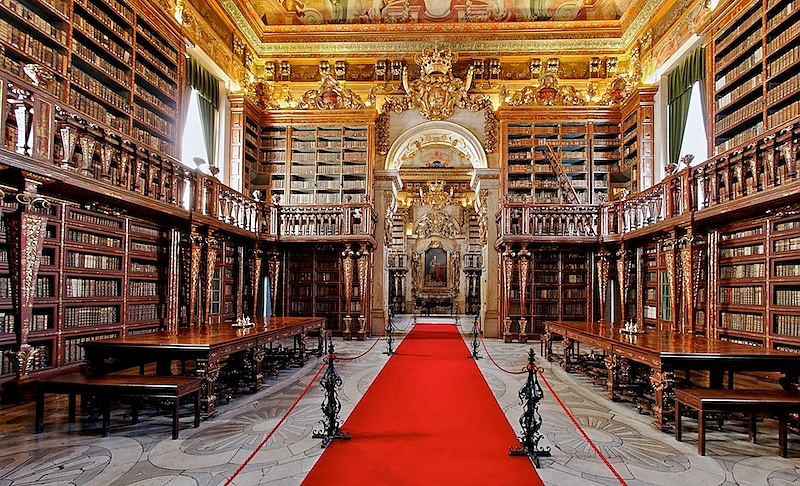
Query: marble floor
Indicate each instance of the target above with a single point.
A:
(144, 454)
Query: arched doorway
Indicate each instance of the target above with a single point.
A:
(435, 245)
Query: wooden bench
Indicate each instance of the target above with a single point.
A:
(752, 402)
(111, 386)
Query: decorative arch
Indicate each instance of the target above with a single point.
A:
(436, 134)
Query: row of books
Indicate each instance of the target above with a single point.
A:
(91, 316)
(32, 47)
(787, 244)
(741, 295)
(73, 349)
(753, 270)
(788, 297)
(738, 321)
(739, 251)
(89, 287)
(787, 325)
(146, 312)
(146, 289)
(97, 262)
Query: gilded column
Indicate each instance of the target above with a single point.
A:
(623, 281)
(687, 284)
(524, 267)
(212, 248)
(603, 270)
(195, 256)
(255, 278)
(508, 272)
(273, 271)
(347, 268)
(25, 231)
(363, 277)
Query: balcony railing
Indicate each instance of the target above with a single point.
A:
(757, 169)
(59, 142)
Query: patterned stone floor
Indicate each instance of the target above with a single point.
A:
(144, 454)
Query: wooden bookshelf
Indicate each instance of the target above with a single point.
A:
(649, 288)
(115, 62)
(586, 140)
(315, 286)
(101, 275)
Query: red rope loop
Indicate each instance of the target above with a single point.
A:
(274, 429)
(495, 362)
(580, 429)
(368, 350)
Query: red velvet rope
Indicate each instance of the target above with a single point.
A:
(563, 407)
(280, 422)
(580, 429)
(495, 362)
(368, 350)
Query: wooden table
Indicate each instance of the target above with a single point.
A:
(664, 352)
(208, 346)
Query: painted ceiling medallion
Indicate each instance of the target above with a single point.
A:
(437, 92)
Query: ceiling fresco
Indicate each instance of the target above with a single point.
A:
(321, 12)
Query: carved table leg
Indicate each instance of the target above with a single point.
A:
(569, 347)
(209, 371)
(662, 388)
(548, 346)
(612, 364)
(257, 356)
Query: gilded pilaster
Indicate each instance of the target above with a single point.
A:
(623, 280)
(212, 248)
(25, 230)
(273, 271)
(668, 247)
(603, 272)
(347, 268)
(363, 256)
(524, 267)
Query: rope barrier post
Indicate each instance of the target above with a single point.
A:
(475, 343)
(331, 404)
(531, 421)
(389, 339)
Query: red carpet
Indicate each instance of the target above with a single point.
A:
(428, 419)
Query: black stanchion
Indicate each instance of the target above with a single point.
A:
(331, 404)
(475, 343)
(389, 338)
(531, 421)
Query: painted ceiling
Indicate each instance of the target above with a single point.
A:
(320, 12)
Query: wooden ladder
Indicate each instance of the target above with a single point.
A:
(558, 168)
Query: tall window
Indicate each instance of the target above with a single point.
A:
(194, 148)
(685, 88)
(694, 136)
(203, 101)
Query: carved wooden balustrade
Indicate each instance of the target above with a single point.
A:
(326, 221)
(47, 136)
(571, 221)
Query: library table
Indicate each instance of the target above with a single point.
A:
(208, 346)
(664, 352)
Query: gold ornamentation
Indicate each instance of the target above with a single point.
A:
(437, 92)
(547, 92)
(491, 126)
(330, 96)
(273, 269)
(437, 223)
(347, 268)
(39, 76)
(618, 90)
(363, 272)
(263, 95)
(21, 360)
(436, 197)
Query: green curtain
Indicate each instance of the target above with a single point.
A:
(680, 82)
(207, 87)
